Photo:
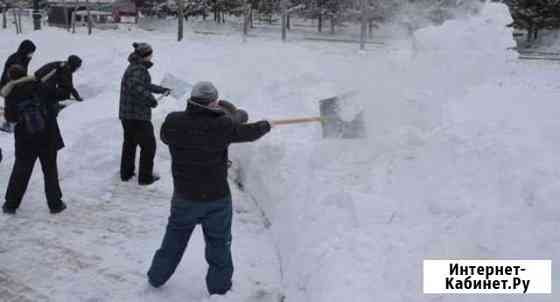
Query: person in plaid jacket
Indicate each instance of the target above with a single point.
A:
(135, 113)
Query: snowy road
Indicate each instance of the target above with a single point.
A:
(100, 249)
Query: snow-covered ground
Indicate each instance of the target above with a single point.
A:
(460, 162)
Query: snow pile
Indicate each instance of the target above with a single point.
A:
(443, 174)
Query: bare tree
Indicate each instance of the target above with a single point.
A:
(364, 17)
(180, 18)
(4, 17)
(90, 25)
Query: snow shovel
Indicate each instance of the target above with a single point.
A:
(333, 126)
(179, 88)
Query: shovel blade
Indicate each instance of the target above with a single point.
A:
(179, 88)
(334, 126)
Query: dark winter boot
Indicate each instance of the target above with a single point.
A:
(127, 177)
(148, 181)
(59, 208)
(8, 210)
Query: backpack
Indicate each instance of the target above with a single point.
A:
(32, 115)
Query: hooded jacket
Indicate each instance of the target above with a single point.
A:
(21, 57)
(137, 100)
(198, 141)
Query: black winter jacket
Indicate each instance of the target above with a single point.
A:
(21, 57)
(59, 85)
(27, 144)
(137, 101)
(198, 140)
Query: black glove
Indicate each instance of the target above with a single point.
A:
(240, 116)
(0, 155)
(166, 92)
(153, 104)
(79, 99)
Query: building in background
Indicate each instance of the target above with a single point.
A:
(60, 12)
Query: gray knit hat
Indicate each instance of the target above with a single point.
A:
(143, 49)
(204, 93)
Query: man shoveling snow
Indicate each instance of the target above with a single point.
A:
(198, 140)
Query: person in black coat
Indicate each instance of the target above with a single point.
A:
(29, 147)
(135, 112)
(58, 79)
(22, 57)
(198, 141)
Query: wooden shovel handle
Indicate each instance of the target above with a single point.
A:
(298, 120)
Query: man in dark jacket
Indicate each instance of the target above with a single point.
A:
(198, 140)
(135, 113)
(43, 145)
(22, 57)
(58, 79)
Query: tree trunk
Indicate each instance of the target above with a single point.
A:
(370, 30)
(246, 16)
(531, 33)
(15, 20)
(89, 22)
(284, 20)
(320, 24)
(66, 19)
(36, 15)
(4, 17)
(536, 37)
(364, 25)
(19, 21)
(180, 19)
(251, 19)
(284, 25)
(333, 23)
(289, 23)
(73, 21)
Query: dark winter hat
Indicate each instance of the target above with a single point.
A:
(142, 49)
(26, 47)
(204, 93)
(16, 72)
(74, 62)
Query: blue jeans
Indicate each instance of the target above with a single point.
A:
(215, 218)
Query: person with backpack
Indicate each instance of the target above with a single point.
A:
(37, 136)
(135, 113)
(198, 141)
(21, 57)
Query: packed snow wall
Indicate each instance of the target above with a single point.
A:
(436, 178)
